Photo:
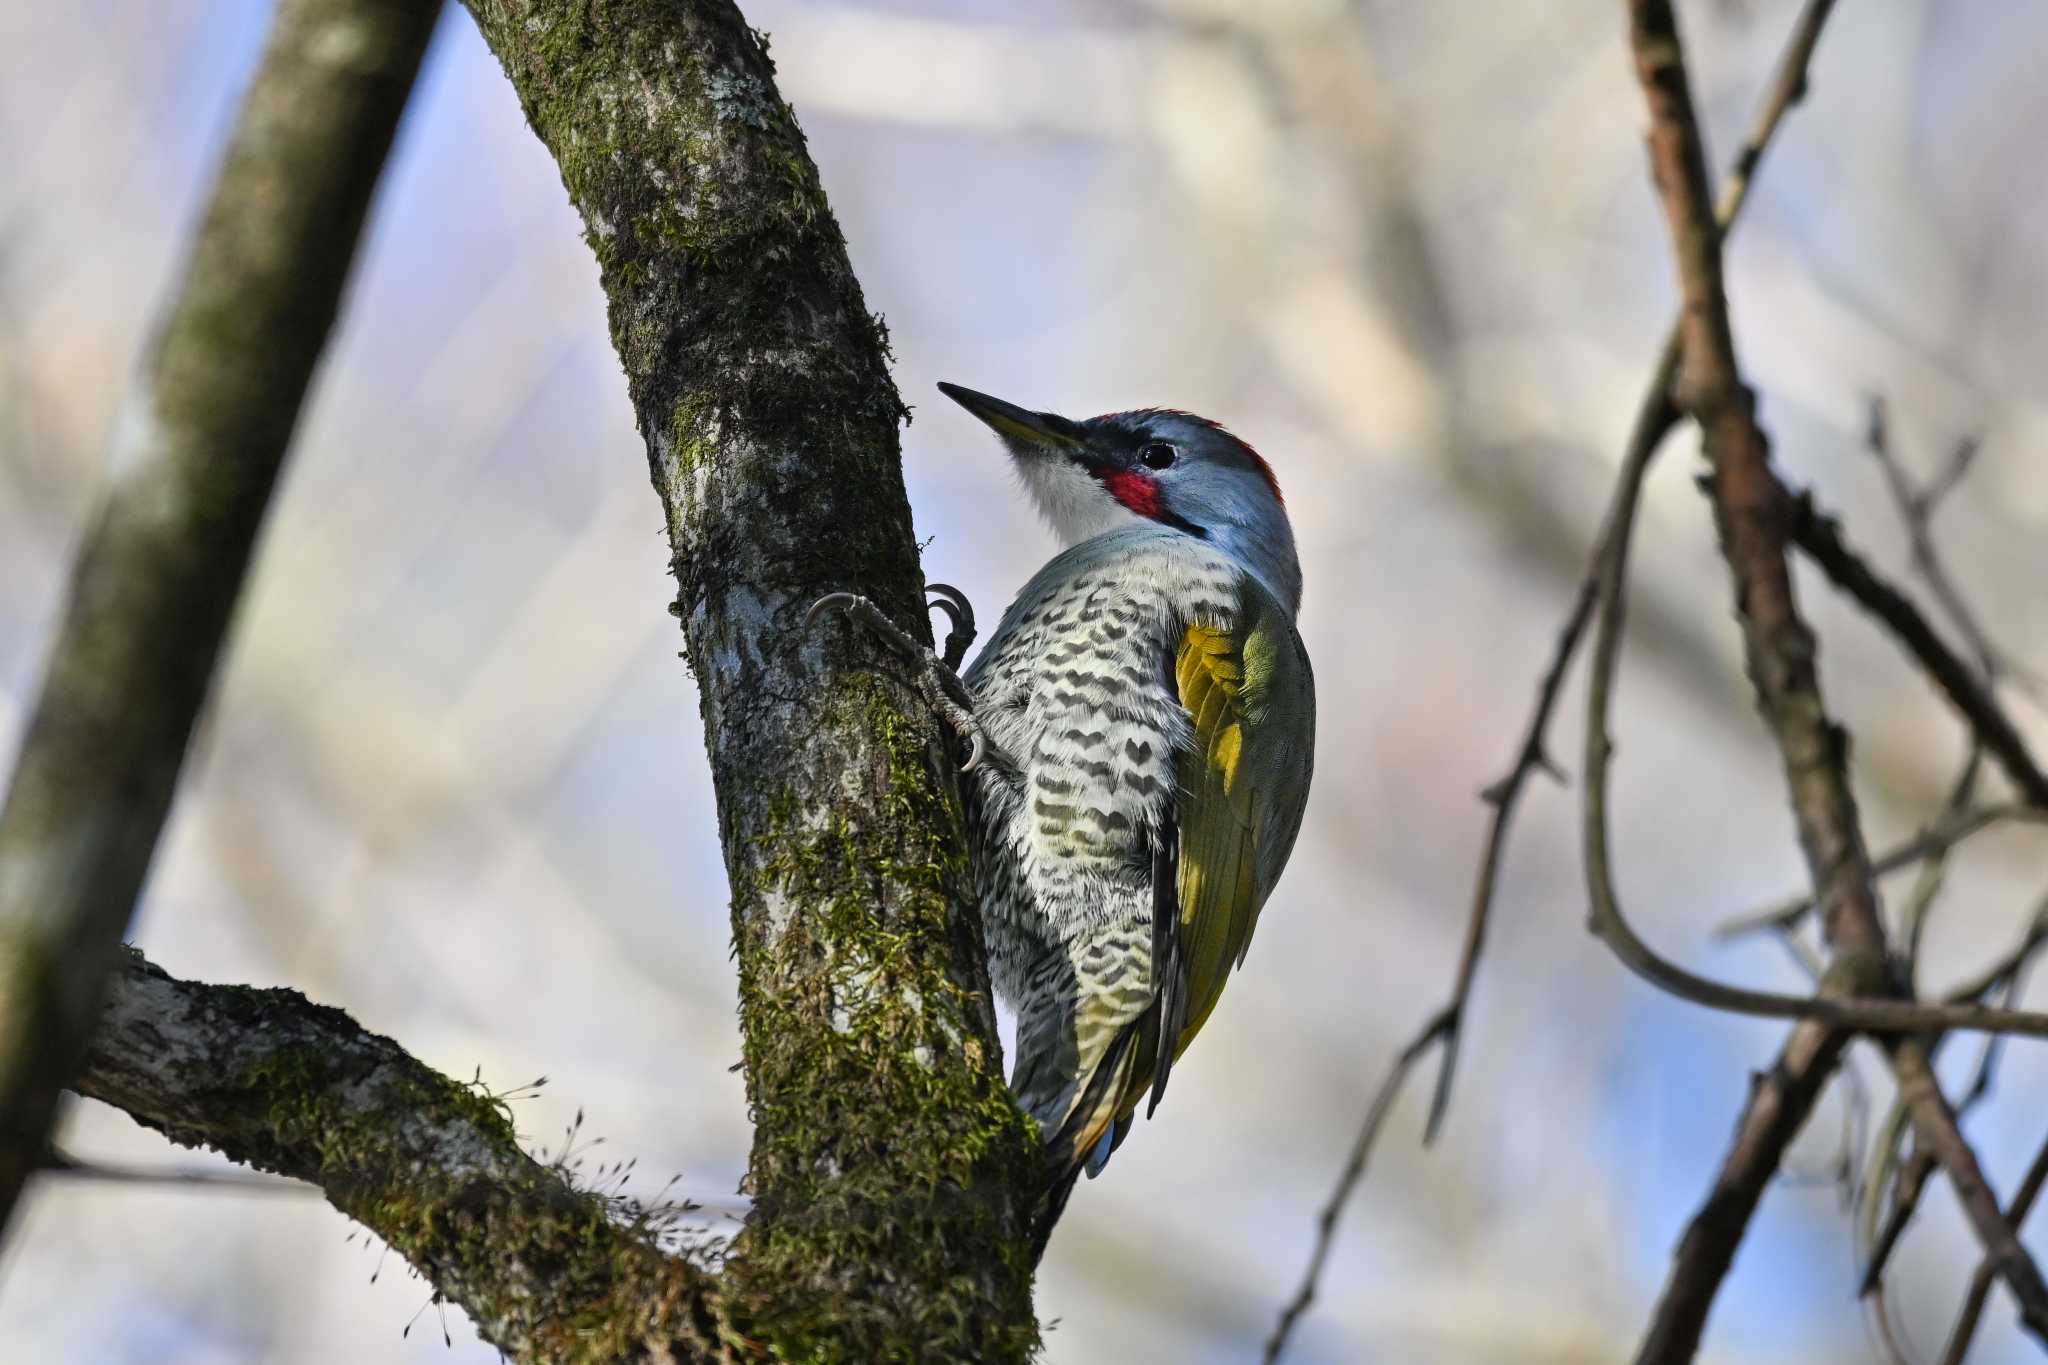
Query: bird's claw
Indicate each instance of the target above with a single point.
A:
(960, 612)
(936, 680)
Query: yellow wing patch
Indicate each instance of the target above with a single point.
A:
(1211, 683)
(1218, 834)
(1242, 782)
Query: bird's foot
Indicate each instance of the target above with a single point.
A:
(960, 612)
(936, 679)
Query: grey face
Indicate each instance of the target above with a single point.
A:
(1153, 464)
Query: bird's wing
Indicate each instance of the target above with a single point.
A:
(1250, 699)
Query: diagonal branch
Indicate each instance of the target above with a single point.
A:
(1980, 1282)
(1820, 536)
(1917, 507)
(156, 580)
(428, 1164)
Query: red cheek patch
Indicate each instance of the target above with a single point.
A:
(1139, 492)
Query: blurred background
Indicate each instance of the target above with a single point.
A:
(453, 779)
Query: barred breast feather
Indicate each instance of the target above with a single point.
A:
(1158, 709)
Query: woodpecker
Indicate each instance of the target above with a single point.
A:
(1147, 733)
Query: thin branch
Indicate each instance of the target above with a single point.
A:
(1753, 518)
(1656, 415)
(160, 569)
(1937, 1131)
(1936, 839)
(1911, 918)
(1849, 999)
(1820, 537)
(1987, 1270)
(1444, 1027)
(1354, 1169)
(1875, 1243)
(1916, 508)
(1448, 1025)
(2005, 976)
(2004, 970)
(430, 1165)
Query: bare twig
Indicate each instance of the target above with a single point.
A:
(1754, 516)
(1448, 1025)
(1980, 1283)
(1937, 1131)
(1655, 417)
(1354, 1169)
(1916, 507)
(1936, 839)
(1850, 999)
(1821, 539)
(2004, 970)
(1912, 916)
(1444, 1027)
(2005, 976)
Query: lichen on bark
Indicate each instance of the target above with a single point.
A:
(430, 1165)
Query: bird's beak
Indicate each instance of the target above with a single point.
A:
(1020, 428)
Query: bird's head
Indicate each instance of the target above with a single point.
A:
(1150, 466)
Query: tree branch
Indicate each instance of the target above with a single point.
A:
(1980, 1282)
(1753, 516)
(1917, 507)
(1820, 536)
(1655, 417)
(1347, 1179)
(428, 1164)
(156, 580)
(1934, 841)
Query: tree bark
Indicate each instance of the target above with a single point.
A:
(194, 461)
(891, 1172)
(545, 1270)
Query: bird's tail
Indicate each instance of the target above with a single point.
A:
(1084, 1092)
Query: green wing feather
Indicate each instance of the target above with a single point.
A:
(1250, 697)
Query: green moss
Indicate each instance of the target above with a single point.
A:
(343, 1117)
(891, 1169)
(889, 1181)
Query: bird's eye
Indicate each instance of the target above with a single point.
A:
(1158, 455)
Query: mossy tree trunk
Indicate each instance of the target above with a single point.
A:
(892, 1174)
(890, 1170)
